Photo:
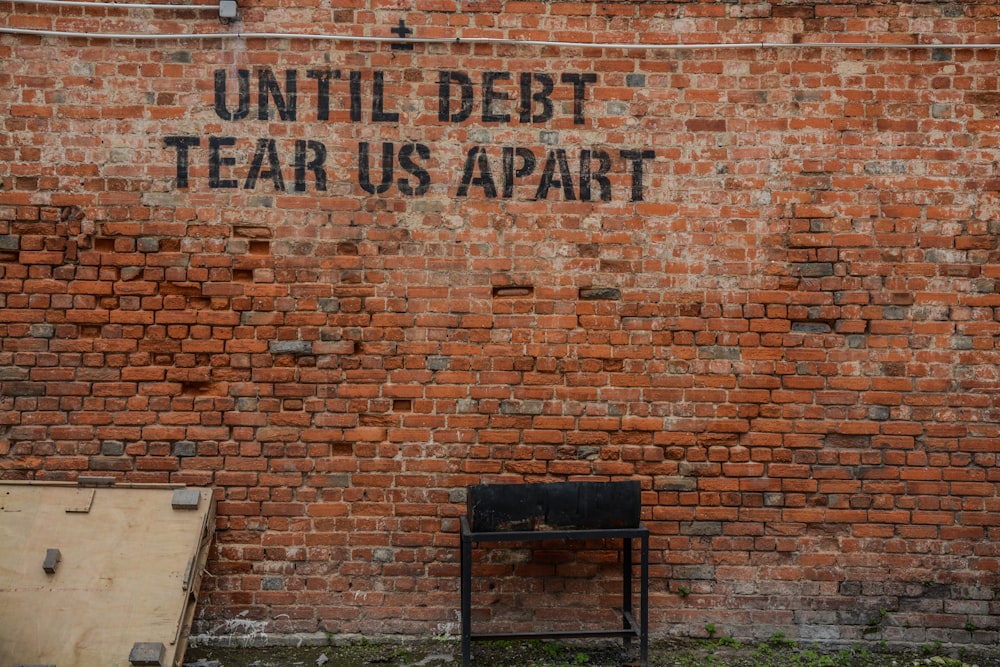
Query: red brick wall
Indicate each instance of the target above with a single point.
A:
(781, 318)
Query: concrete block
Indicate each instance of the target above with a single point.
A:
(147, 653)
(186, 499)
(52, 558)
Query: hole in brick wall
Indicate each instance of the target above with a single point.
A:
(90, 331)
(71, 213)
(104, 245)
(513, 291)
(194, 388)
(402, 405)
(249, 232)
(600, 293)
(188, 289)
(260, 247)
(199, 302)
(8, 256)
(243, 275)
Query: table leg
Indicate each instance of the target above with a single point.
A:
(626, 590)
(644, 601)
(466, 563)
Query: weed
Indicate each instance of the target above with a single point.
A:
(779, 639)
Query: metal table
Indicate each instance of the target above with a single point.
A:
(630, 627)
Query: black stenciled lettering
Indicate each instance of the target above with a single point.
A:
(379, 115)
(323, 77)
(182, 144)
(216, 161)
(529, 98)
(636, 158)
(549, 180)
(600, 176)
(445, 79)
(510, 173)
(364, 180)
(355, 95)
(243, 106)
(490, 96)
(267, 88)
(579, 82)
(316, 165)
(477, 157)
(265, 148)
(411, 167)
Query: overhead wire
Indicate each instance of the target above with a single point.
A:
(658, 46)
(114, 5)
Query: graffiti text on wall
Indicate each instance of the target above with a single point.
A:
(591, 173)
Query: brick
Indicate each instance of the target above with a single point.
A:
(147, 653)
(185, 499)
(52, 558)
(784, 327)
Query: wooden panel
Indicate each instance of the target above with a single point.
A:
(128, 572)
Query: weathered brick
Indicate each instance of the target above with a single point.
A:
(763, 286)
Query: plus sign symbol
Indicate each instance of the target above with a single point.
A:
(402, 31)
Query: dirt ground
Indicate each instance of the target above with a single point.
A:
(723, 652)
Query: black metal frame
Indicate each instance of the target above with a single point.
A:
(630, 628)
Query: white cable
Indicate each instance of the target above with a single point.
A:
(115, 5)
(485, 40)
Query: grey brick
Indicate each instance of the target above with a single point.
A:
(701, 528)
(112, 447)
(185, 499)
(600, 293)
(23, 389)
(42, 330)
(290, 347)
(148, 244)
(13, 373)
(185, 448)
(514, 407)
(52, 558)
(674, 483)
(438, 363)
(147, 653)
(330, 305)
(816, 269)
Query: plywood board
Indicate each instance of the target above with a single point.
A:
(128, 572)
